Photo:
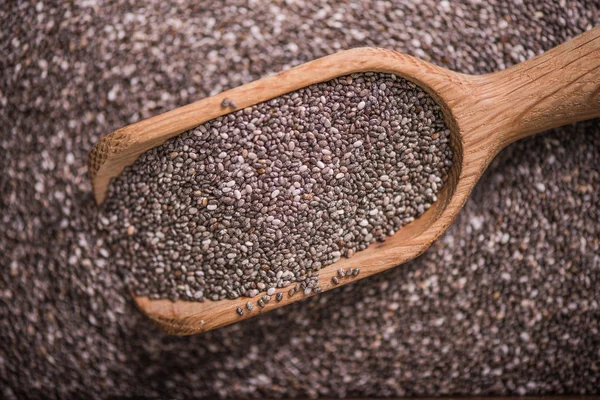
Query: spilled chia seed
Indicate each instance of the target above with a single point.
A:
(267, 196)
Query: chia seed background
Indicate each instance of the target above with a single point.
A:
(505, 303)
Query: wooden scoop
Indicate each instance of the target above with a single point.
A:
(484, 113)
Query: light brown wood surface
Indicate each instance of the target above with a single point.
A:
(485, 113)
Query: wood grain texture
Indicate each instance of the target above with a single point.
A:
(484, 114)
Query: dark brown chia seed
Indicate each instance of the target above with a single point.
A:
(345, 163)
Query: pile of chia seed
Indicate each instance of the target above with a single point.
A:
(505, 303)
(267, 196)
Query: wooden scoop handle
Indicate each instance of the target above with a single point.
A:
(559, 87)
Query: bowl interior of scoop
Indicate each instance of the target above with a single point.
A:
(185, 317)
(449, 90)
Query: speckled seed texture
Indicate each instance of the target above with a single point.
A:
(505, 303)
(267, 196)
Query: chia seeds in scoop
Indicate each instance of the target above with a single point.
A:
(267, 196)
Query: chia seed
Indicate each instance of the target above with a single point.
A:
(388, 157)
